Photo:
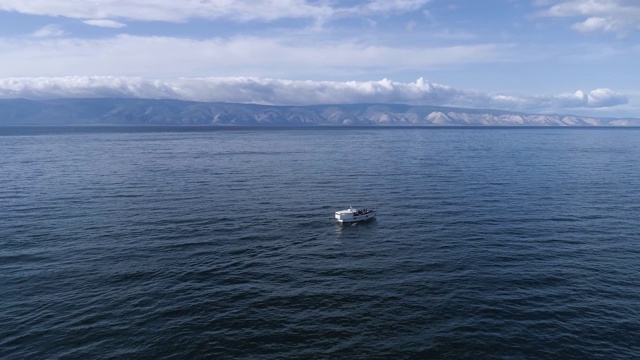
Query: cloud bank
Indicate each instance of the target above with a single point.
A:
(296, 92)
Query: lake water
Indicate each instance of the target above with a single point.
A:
(220, 243)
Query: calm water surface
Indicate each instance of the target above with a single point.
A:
(220, 243)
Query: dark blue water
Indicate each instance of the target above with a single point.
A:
(219, 243)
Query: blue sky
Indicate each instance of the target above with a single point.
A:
(565, 56)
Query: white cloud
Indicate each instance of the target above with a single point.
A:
(51, 30)
(384, 6)
(605, 98)
(152, 57)
(290, 92)
(616, 16)
(105, 23)
(179, 11)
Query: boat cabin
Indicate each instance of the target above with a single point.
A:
(354, 215)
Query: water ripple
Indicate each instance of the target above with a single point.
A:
(221, 244)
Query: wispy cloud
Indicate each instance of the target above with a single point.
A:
(617, 16)
(51, 30)
(289, 92)
(255, 56)
(105, 23)
(178, 11)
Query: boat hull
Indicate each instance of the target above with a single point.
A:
(355, 218)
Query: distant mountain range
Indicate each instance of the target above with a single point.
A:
(177, 112)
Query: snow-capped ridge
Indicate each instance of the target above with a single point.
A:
(177, 112)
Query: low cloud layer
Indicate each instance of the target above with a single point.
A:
(290, 92)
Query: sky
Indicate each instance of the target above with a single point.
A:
(540, 56)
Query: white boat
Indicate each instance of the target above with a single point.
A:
(354, 215)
